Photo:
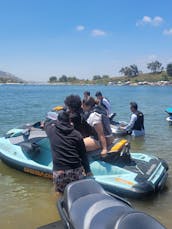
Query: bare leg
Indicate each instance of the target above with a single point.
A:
(90, 144)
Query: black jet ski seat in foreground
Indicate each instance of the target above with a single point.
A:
(86, 205)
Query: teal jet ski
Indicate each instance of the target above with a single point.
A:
(128, 174)
(169, 118)
(86, 205)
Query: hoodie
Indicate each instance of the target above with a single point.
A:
(67, 146)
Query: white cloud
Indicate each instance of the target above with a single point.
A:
(98, 32)
(146, 20)
(167, 32)
(80, 28)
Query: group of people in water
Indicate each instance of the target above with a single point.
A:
(83, 126)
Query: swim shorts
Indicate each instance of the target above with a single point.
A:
(62, 178)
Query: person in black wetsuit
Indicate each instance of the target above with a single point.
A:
(70, 160)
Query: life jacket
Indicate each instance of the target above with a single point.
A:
(139, 123)
(103, 105)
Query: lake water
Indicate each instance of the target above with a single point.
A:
(27, 201)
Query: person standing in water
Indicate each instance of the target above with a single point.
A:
(136, 124)
(70, 162)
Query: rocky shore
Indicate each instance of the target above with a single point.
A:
(144, 83)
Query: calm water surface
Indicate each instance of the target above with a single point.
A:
(27, 201)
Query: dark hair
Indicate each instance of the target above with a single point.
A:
(73, 102)
(63, 116)
(90, 102)
(98, 93)
(133, 105)
(87, 93)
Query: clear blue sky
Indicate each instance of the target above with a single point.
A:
(82, 38)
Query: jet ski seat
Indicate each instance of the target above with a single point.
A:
(86, 205)
(32, 149)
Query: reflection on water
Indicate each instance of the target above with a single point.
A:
(137, 143)
(27, 201)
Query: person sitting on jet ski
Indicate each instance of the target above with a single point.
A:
(74, 105)
(136, 124)
(104, 102)
(86, 95)
(90, 123)
(96, 117)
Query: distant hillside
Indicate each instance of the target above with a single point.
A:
(149, 77)
(6, 77)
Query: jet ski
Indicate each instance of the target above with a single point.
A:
(130, 174)
(169, 118)
(116, 130)
(87, 205)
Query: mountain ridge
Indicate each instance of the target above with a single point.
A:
(6, 77)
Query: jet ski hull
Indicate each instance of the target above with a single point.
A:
(169, 118)
(78, 209)
(136, 177)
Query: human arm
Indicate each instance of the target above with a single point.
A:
(131, 123)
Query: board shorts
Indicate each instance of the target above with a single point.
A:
(62, 178)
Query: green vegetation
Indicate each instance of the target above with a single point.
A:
(149, 77)
(155, 66)
(131, 74)
(130, 71)
(169, 69)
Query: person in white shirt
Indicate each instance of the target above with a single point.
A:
(136, 125)
(97, 118)
(104, 102)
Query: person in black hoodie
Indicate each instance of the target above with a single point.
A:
(70, 160)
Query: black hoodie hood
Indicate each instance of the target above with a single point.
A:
(64, 127)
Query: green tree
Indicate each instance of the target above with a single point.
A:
(105, 77)
(96, 77)
(130, 71)
(169, 69)
(53, 79)
(71, 79)
(134, 69)
(155, 66)
(63, 78)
